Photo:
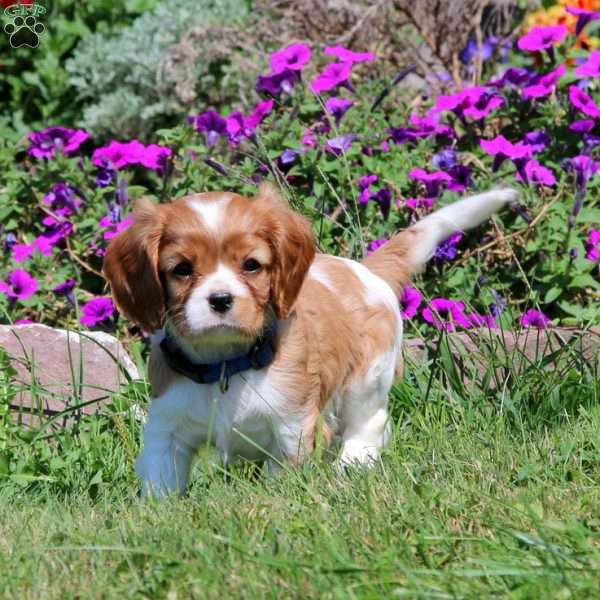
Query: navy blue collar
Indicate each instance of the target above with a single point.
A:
(258, 357)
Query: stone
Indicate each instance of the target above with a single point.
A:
(512, 349)
(50, 377)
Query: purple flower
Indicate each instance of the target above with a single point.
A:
(584, 168)
(542, 38)
(97, 311)
(333, 76)
(383, 197)
(45, 143)
(338, 108)
(210, 123)
(11, 240)
(579, 99)
(445, 314)
(410, 301)
(341, 144)
(309, 138)
(105, 177)
(448, 250)
(460, 178)
(375, 245)
(473, 50)
(155, 157)
(66, 288)
(444, 159)
(364, 184)
(20, 285)
(591, 67)
(543, 85)
(348, 56)
(24, 322)
(275, 84)
(421, 127)
(287, 158)
(294, 58)
(514, 76)
(538, 140)
(499, 305)
(432, 181)
(592, 246)
(583, 17)
(538, 174)
(534, 318)
(62, 199)
(22, 252)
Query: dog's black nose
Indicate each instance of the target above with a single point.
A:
(220, 301)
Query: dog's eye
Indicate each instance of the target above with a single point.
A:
(183, 269)
(251, 265)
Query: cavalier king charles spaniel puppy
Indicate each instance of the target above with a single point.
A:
(260, 342)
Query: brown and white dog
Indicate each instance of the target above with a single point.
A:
(214, 275)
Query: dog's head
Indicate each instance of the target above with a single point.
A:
(213, 266)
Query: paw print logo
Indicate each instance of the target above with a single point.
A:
(24, 31)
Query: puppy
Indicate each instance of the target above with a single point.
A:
(258, 341)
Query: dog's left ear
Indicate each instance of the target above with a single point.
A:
(293, 244)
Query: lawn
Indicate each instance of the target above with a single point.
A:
(485, 491)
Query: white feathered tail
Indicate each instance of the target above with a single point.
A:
(408, 252)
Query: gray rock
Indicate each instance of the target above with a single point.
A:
(58, 370)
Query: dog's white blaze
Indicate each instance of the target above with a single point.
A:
(211, 212)
(198, 313)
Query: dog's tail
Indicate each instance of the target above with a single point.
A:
(407, 252)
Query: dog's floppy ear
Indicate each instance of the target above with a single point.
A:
(131, 267)
(292, 241)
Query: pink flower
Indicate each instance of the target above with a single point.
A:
(261, 111)
(96, 311)
(155, 157)
(542, 38)
(446, 314)
(416, 203)
(118, 154)
(579, 99)
(294, 57)
(537, 173)
(113, 229)
(20, 285)
(309, 138)
(476, 320)
(333, 76)
(592, 246)
(583, 17)
(534, 318)
(583, 126)
(590, 68)
(348, 56)
(410, 301)
(474, 102)
(45, 143)
(543, 85)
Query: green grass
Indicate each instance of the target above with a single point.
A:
(488, 490)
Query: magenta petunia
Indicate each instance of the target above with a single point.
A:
(345, 55)
(155, 157)
(592, 246)
(584, 102)
(19, 285)
(500, 145)
(97, 311)
(364, 184)
(542, 38)
(309, 138)
(294, 58)
(543, 85)
(24, 322)
(534, 318)
(477, 321)
(432, 181)
(474, 102)
(583, 17)
(118, 154)
(410, 301)
(582, 126)
(45, 143)
(63, 199)
(538, 140)
(445, 314)
(332, 77)
(275, 84)
(591, 67)
(261, 111)
(538, 174)
(416, 203)
(112, 228)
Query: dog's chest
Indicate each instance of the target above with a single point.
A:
(244, 421)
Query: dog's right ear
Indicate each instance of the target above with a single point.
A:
(131, 267)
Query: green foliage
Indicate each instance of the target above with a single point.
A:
(122, 78)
